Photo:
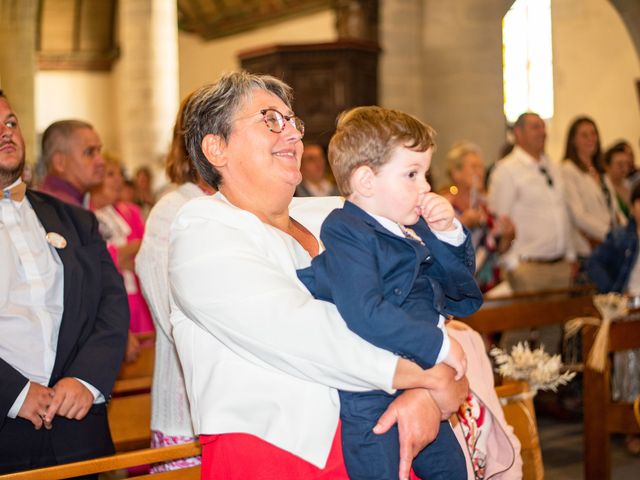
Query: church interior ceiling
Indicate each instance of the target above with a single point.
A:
(82, 34)
(218, 18)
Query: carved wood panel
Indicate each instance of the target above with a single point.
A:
(327, 79)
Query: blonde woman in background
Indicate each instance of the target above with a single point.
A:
(490, 236)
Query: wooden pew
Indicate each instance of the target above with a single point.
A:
(119, 461)
(532, 310)
(130, 421)
(537, 309)
(129, 409)
(519, 412)
(137, 375)
(602, 416)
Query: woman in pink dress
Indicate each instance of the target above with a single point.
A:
(122, 227)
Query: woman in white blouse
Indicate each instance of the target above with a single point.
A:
(170, 418)
(588, 198)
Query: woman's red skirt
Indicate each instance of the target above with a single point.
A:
(241, 456)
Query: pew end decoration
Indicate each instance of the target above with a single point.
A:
(541, 370)
(610, 306)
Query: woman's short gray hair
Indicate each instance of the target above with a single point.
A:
(211, 110)
(457, 152)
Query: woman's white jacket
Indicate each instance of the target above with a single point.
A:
(259, 354)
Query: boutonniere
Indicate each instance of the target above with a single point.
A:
(56, 240)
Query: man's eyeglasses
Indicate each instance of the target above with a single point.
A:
(275, 121)
(544, 172)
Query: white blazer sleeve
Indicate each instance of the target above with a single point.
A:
(235, 277)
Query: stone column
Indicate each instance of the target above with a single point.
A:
(442, 61)
(18, 64)
(401, 61)
(147, 80)
(463, 75)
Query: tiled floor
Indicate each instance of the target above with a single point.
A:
(562, 452)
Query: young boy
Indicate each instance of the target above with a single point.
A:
(393, 285)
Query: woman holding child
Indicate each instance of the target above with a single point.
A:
(262, 358)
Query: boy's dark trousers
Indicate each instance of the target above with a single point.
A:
(369, 456)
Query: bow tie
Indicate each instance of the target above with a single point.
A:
(15, 193)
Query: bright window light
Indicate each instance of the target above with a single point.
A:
(527, 59)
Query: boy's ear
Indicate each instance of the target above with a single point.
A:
(213, 147)
(363, 181)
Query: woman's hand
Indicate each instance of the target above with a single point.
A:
(506, 231)
(133, 349)
(127, 254)
(418, 419)
(457, 325)
(473, 217)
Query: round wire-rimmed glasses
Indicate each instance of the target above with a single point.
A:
(275, 121)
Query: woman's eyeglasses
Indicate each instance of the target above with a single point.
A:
(275, 121)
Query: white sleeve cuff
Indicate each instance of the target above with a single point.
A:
(446, 343)
(452, 237)
(17, 405)
(97, 396)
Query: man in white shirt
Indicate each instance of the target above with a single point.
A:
(527, 187)
(64, 317)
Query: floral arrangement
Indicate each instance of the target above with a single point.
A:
(541, 370)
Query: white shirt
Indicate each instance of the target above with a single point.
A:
(31, 295)
(453, 237)
(260, 354)
(520, 190)
(169, 403)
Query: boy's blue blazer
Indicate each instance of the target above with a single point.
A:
(391, 290)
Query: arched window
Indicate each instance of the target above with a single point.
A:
(527, 59)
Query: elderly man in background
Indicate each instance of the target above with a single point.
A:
(64, 317)
(71, 153)
(313, 168)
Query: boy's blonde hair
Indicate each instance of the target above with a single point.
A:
(368, 136)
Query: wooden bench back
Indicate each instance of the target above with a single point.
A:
(603, 416)
(130, 421)
(519, 412)
(137, 375)
(129, 409)
(119, 461)
(532, 310)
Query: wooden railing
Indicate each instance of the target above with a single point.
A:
(532, 310)
(119, 461)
